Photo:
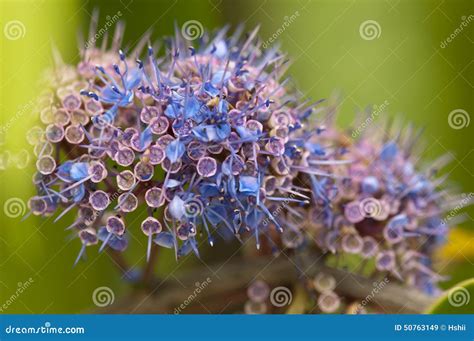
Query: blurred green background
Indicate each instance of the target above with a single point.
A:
(406, 65)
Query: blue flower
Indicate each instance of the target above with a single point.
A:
(117, 243)
(212, 133)
(175, 150)
(249, 185)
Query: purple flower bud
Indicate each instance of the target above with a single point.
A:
(125, 180)
(54, 133)
(153, 197)
(128, 202)
(61, 117)
(74, 134)
(99, 200)
(79, 117)
(275, 147)
(369, 248)
(148, 114)
(196, 150)
(93, 107)
(329, 302)
(156, 154)
(258, 291)
(353, 213)
(97, 171)
(186, 230)
(151, 226)
(324, 283)
(37, 205)
(115, 225)
(280, 119)
(385, 261)
(143, 171)
(165, 140)
(352, 243)
(71, 102)
(206, 167)
(370, 185)
(88, 236)
(43, 148)
(171, 167)
(254, 126)
(125, 156)
(159, 125)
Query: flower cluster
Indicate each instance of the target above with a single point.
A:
(210, 138)
(384, 209)
(206, 135)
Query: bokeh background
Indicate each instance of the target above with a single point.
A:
(405, 61)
